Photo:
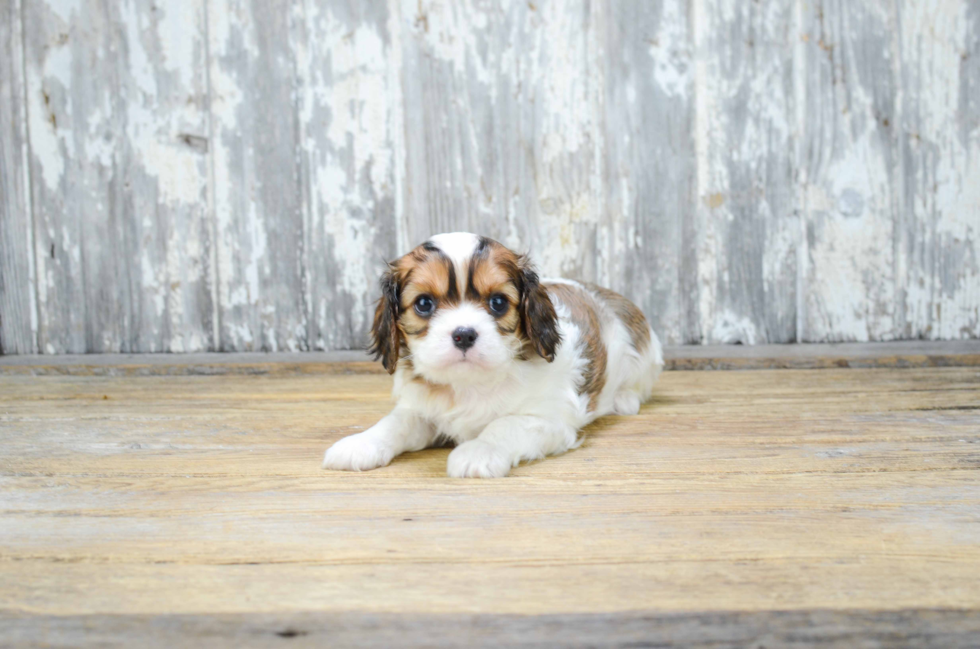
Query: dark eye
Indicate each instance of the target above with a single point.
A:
(424, 305)
(498, 304)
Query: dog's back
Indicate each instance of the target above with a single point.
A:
(624, 356)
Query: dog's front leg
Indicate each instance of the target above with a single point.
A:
(400, 432)
(505, 442)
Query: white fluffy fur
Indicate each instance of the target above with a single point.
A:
(503, 410)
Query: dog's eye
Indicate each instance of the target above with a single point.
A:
(498, 304)
(424, 305)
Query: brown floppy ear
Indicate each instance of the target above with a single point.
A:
(385, 337)
(538, 318)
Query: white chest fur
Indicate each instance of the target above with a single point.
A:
(534, 387)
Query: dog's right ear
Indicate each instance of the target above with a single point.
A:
(385, 336)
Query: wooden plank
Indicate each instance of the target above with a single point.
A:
(748, 230)
(938, 129)
(117, 101)
(939, 629)
(905, 354)
(500, 113)
(346, 82)
(258, 191)
(646, 244)
(18, 310)
(801, 491)
(850, 168)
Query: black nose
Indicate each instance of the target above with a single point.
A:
(464, 337)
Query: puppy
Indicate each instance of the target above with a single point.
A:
(504, 365)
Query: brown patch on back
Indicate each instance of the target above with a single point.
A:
(582, 309)
(629, 314)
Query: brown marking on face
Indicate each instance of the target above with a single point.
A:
(424, 271)
(629, 314)
(584, 313)
(494, 270)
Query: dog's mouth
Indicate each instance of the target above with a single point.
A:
(466, 359)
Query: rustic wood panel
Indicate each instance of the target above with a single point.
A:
(202, 496)
(231, 175)
(258, 191)
(851, 165)
(117, 103)
(749, 227)
(18, 311)
(347, 76)
(925, 629)
(903, 354)
(938, 210)
(646, 243)
(500, 112)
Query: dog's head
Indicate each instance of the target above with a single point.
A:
(460, 305)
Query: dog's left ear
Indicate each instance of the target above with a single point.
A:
(538, 316)
(385, 336)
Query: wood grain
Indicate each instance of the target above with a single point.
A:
(258, 195)
(18, 310)
(193, 502)
(938, 280)
(852, 169)
(926, 629)
(749, 227)
(347, 84)
(231, 175)
(903, 354)
(117, 105)
(647, 239)
(500, 112)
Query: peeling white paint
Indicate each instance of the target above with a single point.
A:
(731, 328)
(851, 283)
(351, 162)
(51, 143)
(671, 50)
(833, 165)
(943, 293)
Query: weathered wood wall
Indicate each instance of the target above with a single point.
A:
(231, 174)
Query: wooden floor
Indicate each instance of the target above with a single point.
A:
(818, 506)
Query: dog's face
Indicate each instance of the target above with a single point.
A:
(459, 306)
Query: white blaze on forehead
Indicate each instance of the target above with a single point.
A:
(458, 246)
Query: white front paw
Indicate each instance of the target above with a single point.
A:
(357, 453)
(477, 459)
